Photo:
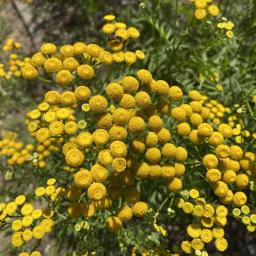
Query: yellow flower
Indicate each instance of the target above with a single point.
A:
(83, 178)
(99, 173)
(118, 149)
(117, 132)
(70, 127)
(19, 200)
(200, 13)
(245, 209)
(16, 225)
(66, 50)
(144, 76)
(142, 99)
(52, 97)
(181, 154)
(64, 77)
(220, 189)
(205, 130)
(114, 90)
(242, 180)
(29, 72)
(200, 3)
(136, 124)
(221, 244)
(226, 130)
(221, 211)
(113, 224)
(40, 191)
(186, 247)
(198, 211)
(125, 213)
(51, 181)
(175, 93)
(38, 232)
(104, 157)
(218, 232)
(194, 193)
(16, 239)
(197, 244)
(85, 71)
(235, 152)
(42, 134)
(133, 32)
(123, 33)
(151, 139)
(52, 65)
(68, 98)
(96, 191)
(37, 213)
(47, 225)
(106, 57)
(79, 48)
(130, 84)
(100, 137)
(27, 221)
(183, 129)
(109, 17)
(229, 176)
(49, 190)
(140, 209)
(127, 101)
(93, 50)
(56, 128)
(230, 34)
(38, 59)
(210, 161)
(27, 235)
(84, 139)
(119, 164)
(98, 103)
(70, 64)
(27, 209)
(48, 48)
(153, 155)
(175, 185)
(35, 253)
(108, 28)
(179, 169)
(213, 10)
(140, 54)
(74, 157)
(229, 25)
(118, 56)
(178, 113)
(130, 57)
(82, 124)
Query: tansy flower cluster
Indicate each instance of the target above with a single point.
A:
(76, 63)
(246, 216)
(106, 139)
(118, 36)
(10, 45)
(12, 64)
(204, 6)
(207, 226)
(27, 223)
(227, 26)
(16, 151)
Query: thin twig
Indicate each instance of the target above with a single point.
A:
(25, 25)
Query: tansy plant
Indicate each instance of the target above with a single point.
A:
(123, 158)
